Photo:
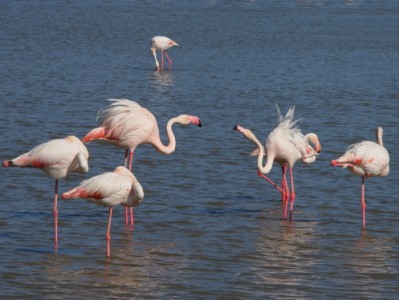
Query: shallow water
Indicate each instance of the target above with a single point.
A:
(208, 227)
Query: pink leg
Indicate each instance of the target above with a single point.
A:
(270, 181)
(169, 60)
(363, 204)
(292, 192)
(129, 163)
(286, 195)
(108, 234)
(126, 164)
(284, 183)
(130, 168)
(55, 213)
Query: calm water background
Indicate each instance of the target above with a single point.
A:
(208, 227)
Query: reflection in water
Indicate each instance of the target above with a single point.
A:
(162, 80)
(372, 256)
(286, 257)
(121, 273)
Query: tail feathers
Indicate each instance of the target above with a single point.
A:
(74, 193)
(8, 163)
(81, 192)
(337, 163)
(95, 134)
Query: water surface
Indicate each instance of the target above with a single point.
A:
(208, 227)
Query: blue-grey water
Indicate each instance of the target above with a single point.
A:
(209, 227)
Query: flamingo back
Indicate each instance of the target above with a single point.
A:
(127, 124)
(366, 159)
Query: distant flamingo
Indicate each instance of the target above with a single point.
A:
(126, 124)
(161, 43)
(119, 187)
(285, 145)
(366, 159)
(57, 158)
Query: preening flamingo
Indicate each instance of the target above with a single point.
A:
(126, 124)
(109, 189)
(312, 139)
(366, 159)
(161, 43)
(285, 145)
(57, 158)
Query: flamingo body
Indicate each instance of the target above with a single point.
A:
(366, 159)
(109, 189)
(126, 124)
(119, 187)
(285, 145)
(57, 158)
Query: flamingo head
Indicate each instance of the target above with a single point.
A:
(172, 43)
(314, 140)
(245, 132)
(188, 119)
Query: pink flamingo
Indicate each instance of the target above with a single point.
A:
(366, 159)
(312, 139)
(126, 124)
(57, 158)
(109, 189)
(161, 43)
(285, 145)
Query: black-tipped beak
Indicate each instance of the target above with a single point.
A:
(199, 124)
(235, 127)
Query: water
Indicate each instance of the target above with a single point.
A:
(208, 227)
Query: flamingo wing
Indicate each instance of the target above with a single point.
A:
(127, 123)
(107, 189)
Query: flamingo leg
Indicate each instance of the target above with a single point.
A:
(169, 60)
(129, 211)
(270, 181)
(162, 60)
(286, 195)
(130, 168)
(108, 234)
(55, 213)
(283, 182)
(126, 164)
(363, 205)
(292, 192)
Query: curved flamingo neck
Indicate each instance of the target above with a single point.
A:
(265, 169)
(170, 148)
(379, 136)
(154, 53)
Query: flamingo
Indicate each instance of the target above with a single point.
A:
(126, 124)
(57, 158)
(161, 43)
(366, 159)
(109, 189)
(285, 145)
(312, 139)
